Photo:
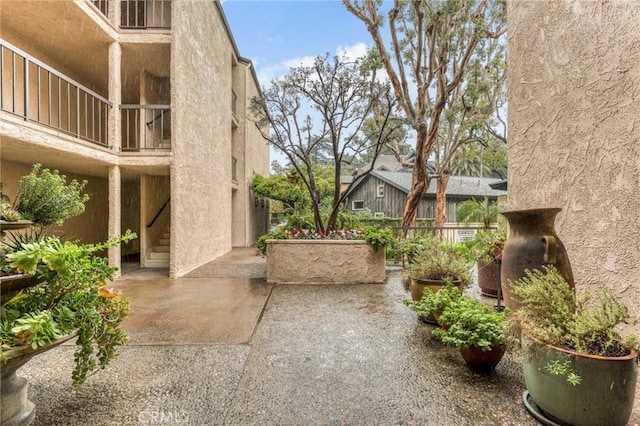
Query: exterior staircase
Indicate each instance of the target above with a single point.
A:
(158, 257)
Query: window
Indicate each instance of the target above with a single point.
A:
(380, 191)
(357, 205)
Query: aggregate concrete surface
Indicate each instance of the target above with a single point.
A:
(315, 355)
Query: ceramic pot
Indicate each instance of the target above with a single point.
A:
(480, 360)
(605, 395)
(532, 242)
(488, 278)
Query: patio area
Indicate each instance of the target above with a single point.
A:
(207, 351)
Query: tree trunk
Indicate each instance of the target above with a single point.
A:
(419, 182)
(441, 199)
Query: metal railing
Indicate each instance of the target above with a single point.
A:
(146, 127)
(36, 92)
(451, 234)
(145, 14)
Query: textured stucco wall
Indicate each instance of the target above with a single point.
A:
(256, 162)
(201, 54)
(324, 262)
(574, 106)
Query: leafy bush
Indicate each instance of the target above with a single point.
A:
(70, 297)
(440, 261)
(376, 237)
(471, 323)
(552, 314)
(435, 302)
(45, 198)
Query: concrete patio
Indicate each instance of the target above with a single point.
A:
(207, 351)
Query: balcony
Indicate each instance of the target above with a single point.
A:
(234, 103)
(38, 93)
(146, 128)
(140, 14)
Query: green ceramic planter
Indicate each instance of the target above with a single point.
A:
(604, 397)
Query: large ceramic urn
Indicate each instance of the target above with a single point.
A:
(532, 242)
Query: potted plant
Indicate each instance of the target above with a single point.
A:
(476, 330)
(69, 300)
(410, 246)
(433, 265)
(488, 243)
(432, 304)
(578, 369)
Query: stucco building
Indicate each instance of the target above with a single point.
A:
(574, 140)
(147, 101)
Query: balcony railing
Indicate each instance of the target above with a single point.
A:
(38, 93)
(145, 14)
(146, 127)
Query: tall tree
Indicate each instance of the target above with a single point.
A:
(469, 111)
(431, 45)
(323, 108)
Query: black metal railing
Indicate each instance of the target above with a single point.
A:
(146, 127)
(164, 206)
(36, 92)
(145, 13)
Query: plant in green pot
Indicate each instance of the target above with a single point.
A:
(476, 330)
(578, 368)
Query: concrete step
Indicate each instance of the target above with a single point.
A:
(164, 241)
(156, 263)
(161, 249)
(154, 255)
(166, 236)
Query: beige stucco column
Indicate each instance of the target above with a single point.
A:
(115, 96)
(574, 131)
(115, 207)
(144, 244)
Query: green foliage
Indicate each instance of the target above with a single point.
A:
(485, 244)
(563, 368)
(440, 261)
(378, 237)
(552, 314)
(417, 243)
(8, 213)
(276, 234)
(435, 302)
(469, 322)
(45, 198)
(478, 211)
(286, 188)
(70, 297)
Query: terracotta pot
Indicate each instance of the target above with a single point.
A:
(480, 360)
(488, 278)
(418, 287)
(605, 395)
(531, 243)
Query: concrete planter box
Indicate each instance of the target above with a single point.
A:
(324, 262)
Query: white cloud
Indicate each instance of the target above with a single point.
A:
(266, 73)
(354, 52)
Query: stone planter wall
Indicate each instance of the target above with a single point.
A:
(324, 262)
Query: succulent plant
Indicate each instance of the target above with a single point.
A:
(8, 213)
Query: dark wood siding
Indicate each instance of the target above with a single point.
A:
(392, 203)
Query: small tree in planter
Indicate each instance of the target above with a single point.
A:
(577, 367)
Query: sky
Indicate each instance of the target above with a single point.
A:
(278, 34)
